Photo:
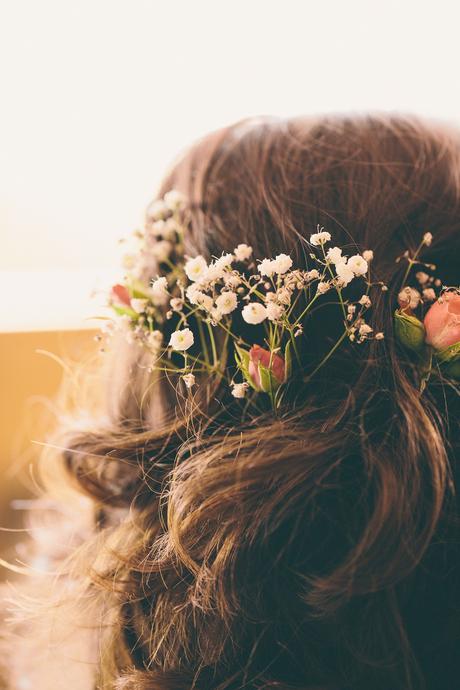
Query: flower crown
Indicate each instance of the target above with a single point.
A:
(183, 310)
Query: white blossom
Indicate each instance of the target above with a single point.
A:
(139, 304)
(154, 340)
(422, 277)
(283, 295)
(379, 336)
(197, 297)
(181, 340)
(176, 303)
(254, 313)
(344, 273)
(365, 329)
(232, 280)
(334, 254)
(161, 250)
(313, 274)
(239, 389)
(368, 255)
(409, 298)
(427, 238)
(323, 287)
(159, 291)
(157, 209)
(196, 268)
(319, 238)
(283, 263)
(189, 380)
(158, 227)
(274, 311)
(267, 267)
(365, 301)
(243, 252)
(428, 293)
(174, 200)
(357, 264)
(226, 302)
(170, 229)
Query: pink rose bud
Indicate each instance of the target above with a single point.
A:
(269, 360)
(121, 295)
(442, 321)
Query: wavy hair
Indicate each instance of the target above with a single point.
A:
(315, 549)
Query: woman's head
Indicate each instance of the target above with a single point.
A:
(314, 548)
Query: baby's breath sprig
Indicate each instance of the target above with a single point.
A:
(184, 310)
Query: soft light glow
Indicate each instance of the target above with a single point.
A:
(99, 96)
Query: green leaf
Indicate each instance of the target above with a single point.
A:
(410, 332)
(450, 353)
(242, 361)
(287, 361)
(122, 311)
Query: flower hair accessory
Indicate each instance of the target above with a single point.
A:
(189, 313)
(427, 321)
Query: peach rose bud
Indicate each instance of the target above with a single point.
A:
(442, 321)
(121, 295)
(273, 363)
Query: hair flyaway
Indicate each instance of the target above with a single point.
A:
(190, 313)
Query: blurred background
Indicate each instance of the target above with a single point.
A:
(97, 99)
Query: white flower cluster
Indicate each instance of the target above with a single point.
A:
(268, 293)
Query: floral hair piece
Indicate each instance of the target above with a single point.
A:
(427, 320)
(185, 310)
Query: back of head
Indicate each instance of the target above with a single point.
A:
(316, 547)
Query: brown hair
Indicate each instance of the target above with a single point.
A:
(317, 548)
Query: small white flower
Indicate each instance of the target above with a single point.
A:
(422, 277)
(161, 250)
(181, 340)
(170, 229)
(196, 268)
(254, 313)
(428, 293)
(158, 226)
(365, 301)
(159, 291)
(243, 252)
(284, 296)
(157, 209)
(368, 255)
(189, 380)
(267, 267)
(313, 274)
(274, 311)
(224, 261)
(197, 297)
(319, 238)
(344, 273)
(357, 264)
(409, 298)
(216, 315)
(232, 280)
(174, 200)
(139, 304)
(334, 254)
(154, 340)
(270, 297)
(226, 302)
(427, 238)
(323, 287)
(176, 303)
(365, 329)
(283, 263)
(239, 389)
(379, 336)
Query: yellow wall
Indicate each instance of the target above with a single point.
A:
(28, 381)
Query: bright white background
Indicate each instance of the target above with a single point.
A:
(98, 96)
